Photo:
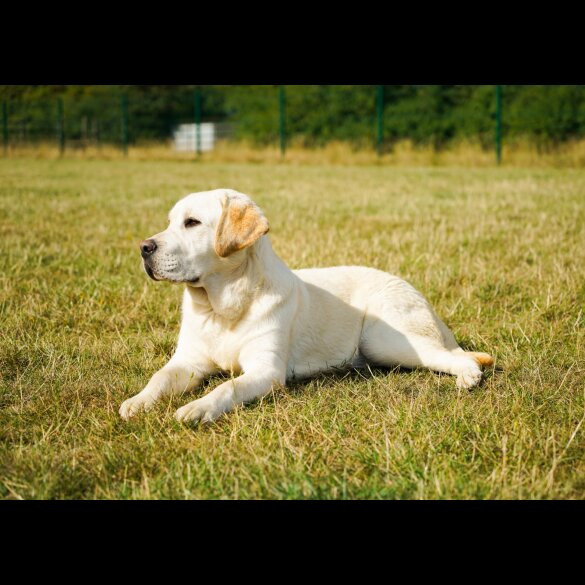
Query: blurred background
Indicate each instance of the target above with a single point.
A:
(475, 124)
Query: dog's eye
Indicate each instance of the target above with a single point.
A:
(191, 222)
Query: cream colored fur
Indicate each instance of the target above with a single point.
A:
(244, 312)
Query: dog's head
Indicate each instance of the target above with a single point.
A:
(206, 231)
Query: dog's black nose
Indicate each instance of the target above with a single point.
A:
(148, 248)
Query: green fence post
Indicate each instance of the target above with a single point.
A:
(198, 121)
(380, 118)
(282, 107)
(61, 126)
(499, 124)
(5, 126)
(125, 134)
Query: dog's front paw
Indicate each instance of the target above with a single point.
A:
(132, 406)
(203, 410)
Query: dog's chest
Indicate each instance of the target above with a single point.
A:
(224, 350)
(223, 345)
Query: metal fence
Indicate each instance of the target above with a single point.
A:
(272, 118)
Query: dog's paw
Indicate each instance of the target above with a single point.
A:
(469, 378)
(203, 410)
(133, 406)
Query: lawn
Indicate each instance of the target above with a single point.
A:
(500, 253)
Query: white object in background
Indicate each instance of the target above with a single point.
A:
(185, 137)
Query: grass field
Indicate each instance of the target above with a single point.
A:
(500, 253)
(462, 153)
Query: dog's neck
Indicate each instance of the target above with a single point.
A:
(228, 293)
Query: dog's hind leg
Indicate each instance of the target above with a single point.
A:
(383, 345)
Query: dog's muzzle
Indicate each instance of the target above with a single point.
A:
(147, 249)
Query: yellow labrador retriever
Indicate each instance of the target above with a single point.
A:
(246, 313)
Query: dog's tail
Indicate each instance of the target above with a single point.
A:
(482, 359)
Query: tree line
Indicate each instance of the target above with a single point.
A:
(315, 114)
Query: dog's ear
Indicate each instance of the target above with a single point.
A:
(241, 224)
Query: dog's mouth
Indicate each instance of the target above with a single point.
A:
(150, 272)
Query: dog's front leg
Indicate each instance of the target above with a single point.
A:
(226, 397)
(259, 378)
(176, 377)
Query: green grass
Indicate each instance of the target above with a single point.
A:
(499, 253)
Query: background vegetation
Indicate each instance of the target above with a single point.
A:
(436, 115)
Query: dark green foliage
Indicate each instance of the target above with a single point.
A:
(316, 114)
